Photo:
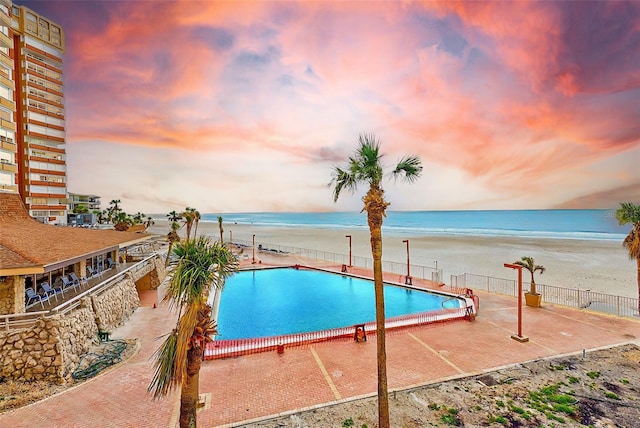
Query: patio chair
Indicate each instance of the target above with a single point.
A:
(67, 283)
(91, 272)
(52, 291)
(110, 262)
(76, 281)
(33, 298)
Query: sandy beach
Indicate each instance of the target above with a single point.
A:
(602, 266)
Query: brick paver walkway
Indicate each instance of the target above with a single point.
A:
(238, 390)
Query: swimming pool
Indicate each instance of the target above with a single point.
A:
(285, 301)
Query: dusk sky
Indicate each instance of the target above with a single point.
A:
(247, 106)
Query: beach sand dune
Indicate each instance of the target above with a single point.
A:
(601, 266)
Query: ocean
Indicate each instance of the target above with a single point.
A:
(554, 224)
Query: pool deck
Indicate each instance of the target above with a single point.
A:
(253, 387)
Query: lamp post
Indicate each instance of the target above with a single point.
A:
(231, 237)
(408, 278)
(519, 337)
(253, 250)
(349, 236)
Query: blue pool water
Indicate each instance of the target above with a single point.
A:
(276, 302)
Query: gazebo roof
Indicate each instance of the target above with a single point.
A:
(28, 246)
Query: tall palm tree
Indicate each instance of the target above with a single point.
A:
(630, 213)
(366, 167)
(196, 218)
(189, 217)
(220, 227)
(172, 237)
(201, 266)
(532, 267)
(113, 210)
(149, 222)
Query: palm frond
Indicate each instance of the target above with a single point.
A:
(164, 375)
(628, 213)
(409, 168)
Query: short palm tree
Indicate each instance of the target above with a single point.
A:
(529, 264)
(365, 167)
(220, 227)
(630, 213)
(202, 265)
(174, 216)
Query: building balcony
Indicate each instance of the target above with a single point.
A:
(5, 41)
(8, 167)
(9, 146)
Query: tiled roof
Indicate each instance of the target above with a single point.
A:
(25, 242)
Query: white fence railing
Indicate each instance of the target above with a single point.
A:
(27, 319)
(573, 297)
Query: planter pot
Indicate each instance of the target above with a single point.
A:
(534, 300)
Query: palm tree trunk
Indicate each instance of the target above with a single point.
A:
(166, 262)
(190, 389)
(533, 285)
(375, 206)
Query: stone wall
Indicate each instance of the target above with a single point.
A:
(115, 305)
(52, 348)
(34, 353)
(11, 300)
(78, 331)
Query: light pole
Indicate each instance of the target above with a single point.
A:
(349, 236)
(519, 337)
(231, 237)
(253, 250)
(408, 278)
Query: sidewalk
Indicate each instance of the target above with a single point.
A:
(259, 385)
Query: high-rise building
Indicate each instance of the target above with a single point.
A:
(38, 97)
(8, 146)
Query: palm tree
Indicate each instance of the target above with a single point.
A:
(196, 218)
(201, 266)
(122, 221)
(174, 216)
(149, 222)
(113, 210)
(529, 264)
(138, 218)
(220, 227)
(190, 215)
(630, 213)
(172, 237)
(366, 167)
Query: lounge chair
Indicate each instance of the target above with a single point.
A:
(110, 262)
(52, 291)
(67, 283)
(76, 281)
(33, 298)
(91, 272)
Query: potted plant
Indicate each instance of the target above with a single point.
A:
(532, 297)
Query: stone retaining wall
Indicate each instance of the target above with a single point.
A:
(113, 306)
(51, 349)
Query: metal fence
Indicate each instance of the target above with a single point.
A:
(573, 297)
(423, 272)
(236, 347)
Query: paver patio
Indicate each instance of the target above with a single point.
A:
(249, 387)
